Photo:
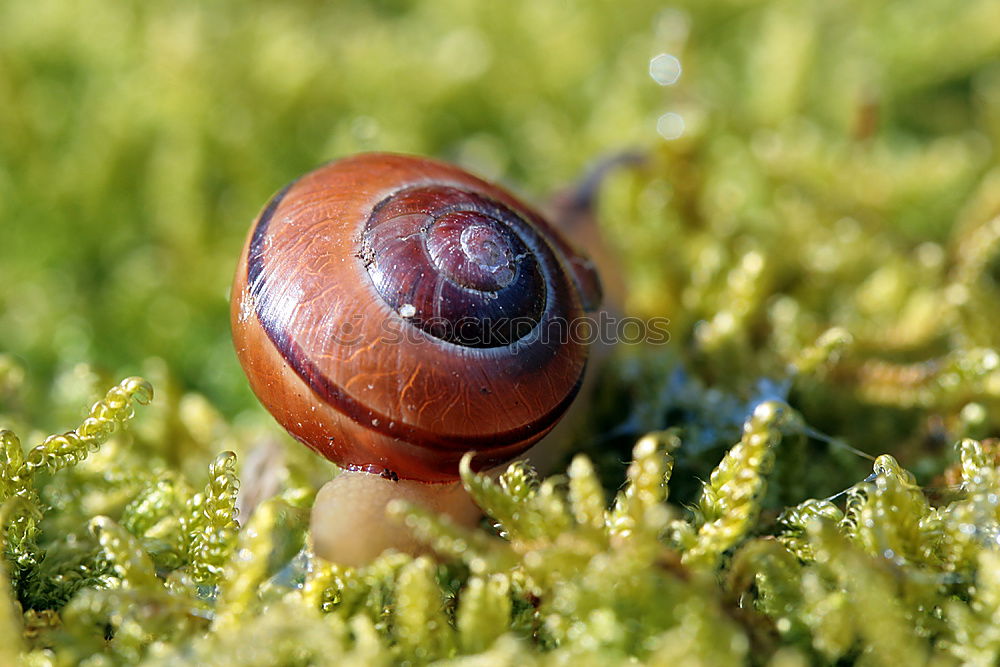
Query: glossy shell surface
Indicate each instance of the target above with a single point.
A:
(349, 315)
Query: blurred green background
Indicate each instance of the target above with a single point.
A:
(140, 139)
(815, 165)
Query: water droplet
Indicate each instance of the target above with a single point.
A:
(665, 69)
(670, 125)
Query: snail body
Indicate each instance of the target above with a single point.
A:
(394, 312)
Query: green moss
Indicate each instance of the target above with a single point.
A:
(563, 576)
(822, 236)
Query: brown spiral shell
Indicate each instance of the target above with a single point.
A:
(394, 312)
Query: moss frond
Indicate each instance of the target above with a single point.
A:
(731, 499)
(976, 626)
(106, 417)
(421, 629)
(246, 566)
(211, 524)
(638, 510)
(484, 612)
(131, 564)
(11, 629)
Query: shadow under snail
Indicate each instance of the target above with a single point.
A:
(394, 313)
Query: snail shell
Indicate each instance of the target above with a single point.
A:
(394, 312)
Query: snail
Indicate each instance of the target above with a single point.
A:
(393, 313)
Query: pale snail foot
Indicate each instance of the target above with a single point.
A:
(349, 525)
